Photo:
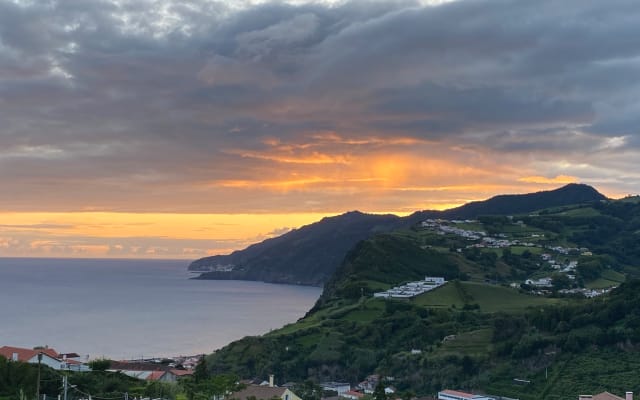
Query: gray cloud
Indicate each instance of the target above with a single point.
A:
(139, 105)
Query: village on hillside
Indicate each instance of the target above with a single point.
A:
(559, 259)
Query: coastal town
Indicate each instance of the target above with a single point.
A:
(172, 370)
(155, 369)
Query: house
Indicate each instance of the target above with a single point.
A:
(45, 356)
(142, 375)
(457, 395)
(74, 365)
(263, 393)
(339, 387)
(369, 384)
(162, 376)
(48, 357)
(352, 395)
(147, 372)
(606, 396)
(153, 376)
(180, 373)
(73, 362)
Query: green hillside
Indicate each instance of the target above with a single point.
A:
(486, 326)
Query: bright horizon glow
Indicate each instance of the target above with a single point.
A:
(89, 234)
(141, 235)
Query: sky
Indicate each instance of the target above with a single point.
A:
(185, 128)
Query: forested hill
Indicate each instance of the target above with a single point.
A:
(309, 255)
(510, 204)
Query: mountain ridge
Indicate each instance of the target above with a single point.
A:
(309, 255)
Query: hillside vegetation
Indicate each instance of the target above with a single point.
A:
(485, 327)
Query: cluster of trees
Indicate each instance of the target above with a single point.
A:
(572, 328)
(204, 386)
(19, 380)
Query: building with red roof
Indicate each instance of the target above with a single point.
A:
(47, 356)
(43, 355)
(457, 395)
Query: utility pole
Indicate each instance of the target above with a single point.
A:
(65, 385)
(38, 385)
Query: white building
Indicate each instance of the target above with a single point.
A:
(434, 280)
(412, 289)
(542, 282)
(339, 387)
(456, 395)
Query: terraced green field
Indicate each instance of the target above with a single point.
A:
(476, 342)
(490, 298)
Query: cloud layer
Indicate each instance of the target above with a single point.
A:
(212, 107)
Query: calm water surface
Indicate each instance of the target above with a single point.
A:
(134, 308)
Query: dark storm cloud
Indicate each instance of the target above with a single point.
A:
(125, 98)
(480, 107)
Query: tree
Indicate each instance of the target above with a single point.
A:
(200, 373)
(308, 390)
(216, 386)
(560, 281)
(100, 364)
(379, 393)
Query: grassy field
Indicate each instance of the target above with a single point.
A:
(490, 298)
(607, 279)
(518, 250)
(613, 275)
(581, 212)
(469, 343)
(471, 226)
(314, 319)
(442, 297)
(368, 312)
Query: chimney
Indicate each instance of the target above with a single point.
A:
(14, 357)
(628, 396)
(271, 380)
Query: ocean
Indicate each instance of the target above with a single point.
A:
(128, 309)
